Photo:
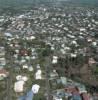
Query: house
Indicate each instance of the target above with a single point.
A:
(91, 61)
(18, 86)
(2, 51)
(1, 20)
(8, 34)
(95, 96)
(38, 66)
(82, 29)
(57, 98)
(29, 96)
(38, 74)
(85, 96)
(76, 94)
(63, 80)
(35, 88)
(94, 43)
(76, 97)
(3, 73)
(73, 55)
(2, 61)
(58, 94)
(30, 68)
(27, 57)
(55, 59)
(23, 52)
(23, 78)
(53, 74)
(21, 16)
(25, 66)
(71, 89)
(32, 37)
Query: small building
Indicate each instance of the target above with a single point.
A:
(18, 86)
(28, 96)
(2, 51)
(35, 88)
(55, 60)
(85, 96)
(2, 61)
(3, 73)
(38, 74)
(76, 97)
(8, 34)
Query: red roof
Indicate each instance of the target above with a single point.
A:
(71, 89)
(85, 96)
(3, 71)
(23, 52)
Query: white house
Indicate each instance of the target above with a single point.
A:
(25, 66)
(35, 88)
(30, 69)
(82, 29)
(18, 86)
(38, 74)
(2, 61)
(73, 55)
(8, 34)
(20, 77)
(55, 59)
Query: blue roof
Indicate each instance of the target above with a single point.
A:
(8, 34)
(28, 96)
(76, 97)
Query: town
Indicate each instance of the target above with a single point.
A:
(49, 53)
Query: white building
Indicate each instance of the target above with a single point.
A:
(38, 74)
(18, 86)
(55, 60)
(35, 88)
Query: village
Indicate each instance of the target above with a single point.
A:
(51, 52)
